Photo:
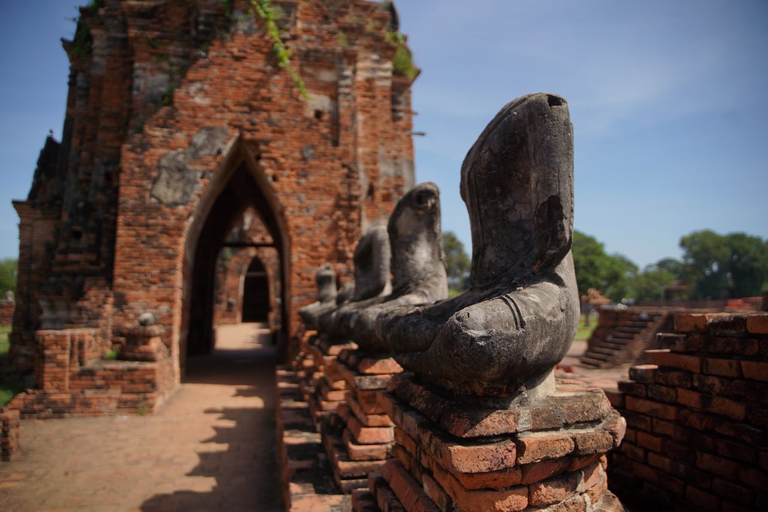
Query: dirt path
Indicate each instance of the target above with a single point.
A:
(211, 447)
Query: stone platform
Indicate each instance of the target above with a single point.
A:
(454, 456)
(358, 440)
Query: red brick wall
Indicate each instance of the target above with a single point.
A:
(697, 419)
(6, 313)
(159, 74)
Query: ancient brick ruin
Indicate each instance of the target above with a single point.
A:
(697, 418)
(178, 120)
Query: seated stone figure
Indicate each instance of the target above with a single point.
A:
(418, 267)
(503, 337)
(372, 263)
(325, 278)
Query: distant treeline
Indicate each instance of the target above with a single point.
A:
(713, 267)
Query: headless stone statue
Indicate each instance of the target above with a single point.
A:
(372, 263)
(418, 268)
(503, 337)
(325, 278)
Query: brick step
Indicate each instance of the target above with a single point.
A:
(619, 341)
(623, 335)
(597, 356)
(605, 350)
(612, 345)
(630, 330)
(640, 324)
(588, 361)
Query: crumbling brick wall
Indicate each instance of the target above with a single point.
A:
(168, 102)
(6, 313)
(697, 419)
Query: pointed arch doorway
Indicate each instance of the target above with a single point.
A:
(238, 185)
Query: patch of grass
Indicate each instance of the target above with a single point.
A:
(9, 388)
(111, 354)
(5, 344)
(585, 331)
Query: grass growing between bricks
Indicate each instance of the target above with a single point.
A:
(11, 384)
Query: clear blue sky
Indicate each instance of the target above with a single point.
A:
(668, 101)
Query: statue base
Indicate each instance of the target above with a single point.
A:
(359, 438)
(326, 388)
(453, 455)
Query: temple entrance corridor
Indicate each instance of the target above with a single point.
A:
(210, 447)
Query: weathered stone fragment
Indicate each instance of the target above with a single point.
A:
(372, 264)
(418, 268)
(325, 278)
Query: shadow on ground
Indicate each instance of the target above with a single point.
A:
(242, 454)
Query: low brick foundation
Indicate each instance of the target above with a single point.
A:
(10, 434)
(307, 484)
(453, 456)
(73, 379)
(698, 418)
(359, 438)
(6, 313)
(325, 389)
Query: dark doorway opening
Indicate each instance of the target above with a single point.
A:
(256, 293)
(243, 186)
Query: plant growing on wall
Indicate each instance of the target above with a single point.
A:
(402, 62)
(282, 54)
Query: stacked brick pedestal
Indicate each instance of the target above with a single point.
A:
(455, 456)
(697, 419)
(358, 440)
(304, 473)
(10, 434)
(328, 387)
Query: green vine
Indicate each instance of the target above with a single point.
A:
(402, 62)
(282, 54)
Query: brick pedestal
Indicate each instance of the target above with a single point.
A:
(359, 439)
(10, 434)
(470, 457)
(326, 388)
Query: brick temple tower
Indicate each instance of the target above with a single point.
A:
(180, 117)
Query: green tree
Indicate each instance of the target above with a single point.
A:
(705, 255)
(8, 272)
(652, 282)
(611, 274)
(456, 261)
(748, 264)
(717, 266)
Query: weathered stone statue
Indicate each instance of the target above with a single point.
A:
(325, 278)
(504, 336)
(372, 263)
(418, 267)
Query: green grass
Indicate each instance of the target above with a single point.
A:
(10, 384)
(585, 332)
(4, 343)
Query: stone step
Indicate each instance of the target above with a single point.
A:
(629, 330)
(612, 345)
(604, 350)
(595, 355)
(623, 335)
(588, 361)
(639, 324)
(621, 341)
